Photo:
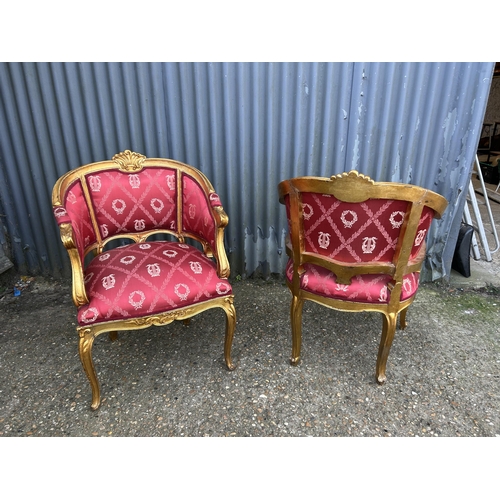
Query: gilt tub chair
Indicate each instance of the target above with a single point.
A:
(356, 245)
(150, 280)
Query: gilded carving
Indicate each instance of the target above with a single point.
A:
(129, 161)
(161, 319)
(66, 231)
(353, 175)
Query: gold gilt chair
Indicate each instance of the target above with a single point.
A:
(356, 245)
(149, 281)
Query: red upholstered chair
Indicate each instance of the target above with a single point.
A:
(356, 245)
(149, 281)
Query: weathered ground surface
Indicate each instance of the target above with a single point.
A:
(443, 370)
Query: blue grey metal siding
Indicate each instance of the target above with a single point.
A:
(247, 126)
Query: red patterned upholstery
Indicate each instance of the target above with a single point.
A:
(153, 280)
(76, 212)
(352, 232)
(356, 245)
(365, 288)
(148, 278)
(195, 217)
(129, 203)
(355, 233)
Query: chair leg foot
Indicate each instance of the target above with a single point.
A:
(230, 327)
(85, 351)
(295, 361)
(388, 331)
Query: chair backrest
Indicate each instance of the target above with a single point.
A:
(353, 225)
(136, 197)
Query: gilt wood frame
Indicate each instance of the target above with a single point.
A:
(354, 187)
(131, 162)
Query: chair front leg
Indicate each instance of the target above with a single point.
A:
(85, 349)
(230, 327)
(388, 331)
(296, 320)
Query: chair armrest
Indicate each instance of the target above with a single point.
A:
(219, 252)
(78, 285)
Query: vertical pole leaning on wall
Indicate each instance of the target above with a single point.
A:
(488, 207)
(479, 227)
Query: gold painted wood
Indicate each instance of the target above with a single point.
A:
(88, 334)
(128, 161)
(354, 187)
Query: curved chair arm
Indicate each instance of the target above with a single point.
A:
(219, 252)
(78, 286)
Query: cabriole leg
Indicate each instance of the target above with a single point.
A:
(388, 330)
(296, 320)
(230, 326)
(402, 319)
(85, 350)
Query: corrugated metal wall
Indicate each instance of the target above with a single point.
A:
(247, 126)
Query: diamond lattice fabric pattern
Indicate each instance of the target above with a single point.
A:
(365, 288)
(152, 277)
(134, 202)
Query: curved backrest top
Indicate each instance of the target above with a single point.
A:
(354, 187)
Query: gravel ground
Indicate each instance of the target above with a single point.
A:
(442, 376)
(442, 380)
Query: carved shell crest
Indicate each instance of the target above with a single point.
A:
(129, 161)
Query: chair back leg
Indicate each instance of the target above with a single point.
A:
(296, 319)
(388, 331)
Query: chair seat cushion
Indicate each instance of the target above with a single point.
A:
(148, 278)
(367, 288)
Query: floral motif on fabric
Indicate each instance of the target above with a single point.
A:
(182, 291)
(136, 299)
(195, 267)
(369, 244)
(154, 269)
(171, 181)
(348, 222)
(139, 225)
(109, 281)
(222, 288)
(60, 212)
(127, 260)
(307, 211)
(118, 206)
(170, 253)
(157, 205)
(396, 219)
(91, 314)
(420, 237)
(134, 181)
(324, 240)
(95, 183)
(139, 289)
